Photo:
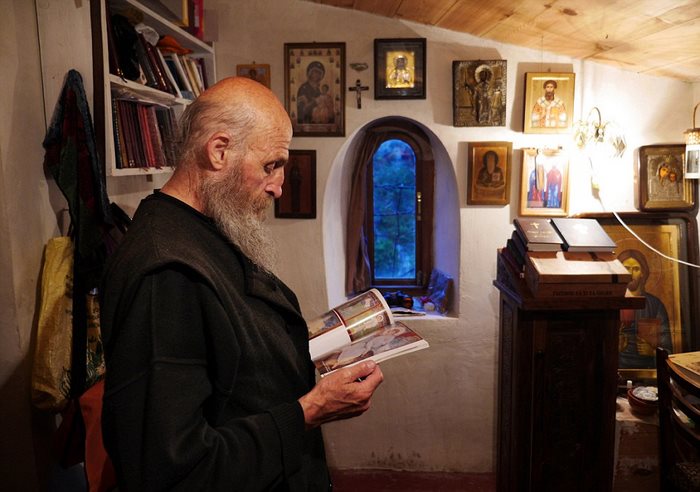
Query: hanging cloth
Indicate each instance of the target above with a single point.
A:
(71, 158)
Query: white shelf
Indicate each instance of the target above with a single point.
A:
(165, 27)
(144, 93)
(111, 83)
(140, 171)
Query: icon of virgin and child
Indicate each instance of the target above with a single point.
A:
(314, 98)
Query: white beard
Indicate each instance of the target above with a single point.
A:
(239, 217)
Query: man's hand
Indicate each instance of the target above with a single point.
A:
(341, 395)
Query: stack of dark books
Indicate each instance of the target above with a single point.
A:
(561, 258)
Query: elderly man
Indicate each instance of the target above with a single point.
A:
(209, 384)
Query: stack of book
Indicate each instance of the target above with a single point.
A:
(164, 66)
(144, 133)
(187, 73)
(561, 258)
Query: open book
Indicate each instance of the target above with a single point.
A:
(688, 363)
(362, 328)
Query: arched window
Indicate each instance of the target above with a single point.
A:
(390, 216)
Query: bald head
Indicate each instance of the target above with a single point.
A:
(238, 105)
(246, 95)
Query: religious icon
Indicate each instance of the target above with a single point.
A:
(549, 102)
(399, 68)
(315, 88)
(489, 170)
(298, 200)
(479, 93)
(544, 183)
(258, 72)
(662, 180)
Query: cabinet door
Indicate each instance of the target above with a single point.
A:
(573, 400)
(557, 399)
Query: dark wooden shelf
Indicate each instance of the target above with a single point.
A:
(557, 389)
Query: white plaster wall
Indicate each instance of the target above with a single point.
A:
(27, 220)
(436, 409)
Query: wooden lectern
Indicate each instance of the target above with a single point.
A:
(557, 388)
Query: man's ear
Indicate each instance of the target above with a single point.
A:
(217, 147)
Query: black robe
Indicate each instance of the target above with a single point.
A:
(206, 358)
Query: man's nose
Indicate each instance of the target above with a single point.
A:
(275, 181)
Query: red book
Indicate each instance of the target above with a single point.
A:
(139, 156)
(123, 114)
(146, 135)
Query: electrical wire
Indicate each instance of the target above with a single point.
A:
(629, 229)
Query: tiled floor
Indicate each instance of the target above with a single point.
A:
(399, 481)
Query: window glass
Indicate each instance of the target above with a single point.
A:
(394, 211)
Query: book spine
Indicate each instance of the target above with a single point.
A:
(152, 62)
(168, 132)
(510, 258)
(124, 115)
(118, 138)
(114, 67)
(145, 135)
(191, 72)
(145, 63)
(141, 160)
(160, 70)
(507, 276)
(156, 141)
(181, 71)
(169, 77)
(172, 70)
(516, 251)
(203, 72)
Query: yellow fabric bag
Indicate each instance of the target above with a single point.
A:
(51, 376)
(52, 356)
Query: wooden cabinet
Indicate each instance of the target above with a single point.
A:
(107, 84)
(557, 389)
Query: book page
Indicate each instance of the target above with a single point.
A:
(365, 313)
(348, 322)
(360, 314)
(385, 343)
(687, 360)
(327, 343)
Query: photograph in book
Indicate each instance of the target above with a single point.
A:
(369, 309)
(385, 343)
(348, 322)
(346, 329)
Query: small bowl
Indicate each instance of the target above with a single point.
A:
(643, 400)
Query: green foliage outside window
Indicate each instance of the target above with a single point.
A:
(394, 199)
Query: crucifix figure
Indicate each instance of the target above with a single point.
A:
(358, 88)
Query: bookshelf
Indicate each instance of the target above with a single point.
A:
(107, 84)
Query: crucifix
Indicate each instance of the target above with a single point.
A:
(358, 88)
